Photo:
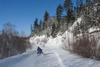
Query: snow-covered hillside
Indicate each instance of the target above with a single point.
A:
(54, 55)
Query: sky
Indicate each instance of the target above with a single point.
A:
(22, 13)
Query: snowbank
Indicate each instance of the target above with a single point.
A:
(54, 42)
(42, 38)
(38, 41)
(59, 42)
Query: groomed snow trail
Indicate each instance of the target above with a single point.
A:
(52, 57)
(59, 59)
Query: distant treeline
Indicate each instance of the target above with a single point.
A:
(11, 43)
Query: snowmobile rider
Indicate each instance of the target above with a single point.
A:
(39, 50)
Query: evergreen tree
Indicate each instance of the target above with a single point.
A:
(44, 25)
(41, 27)
(81, 5)
(31, 28)
(70, 15)
(46, 16)
(53, 33)
(88, 2)
(96, 1)
(59, 11)
(67, 4)
(36, 23)
(78, 2)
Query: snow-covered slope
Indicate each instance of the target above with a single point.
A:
(78, 21)
(53, 56)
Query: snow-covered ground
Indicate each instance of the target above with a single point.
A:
(54, 56)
